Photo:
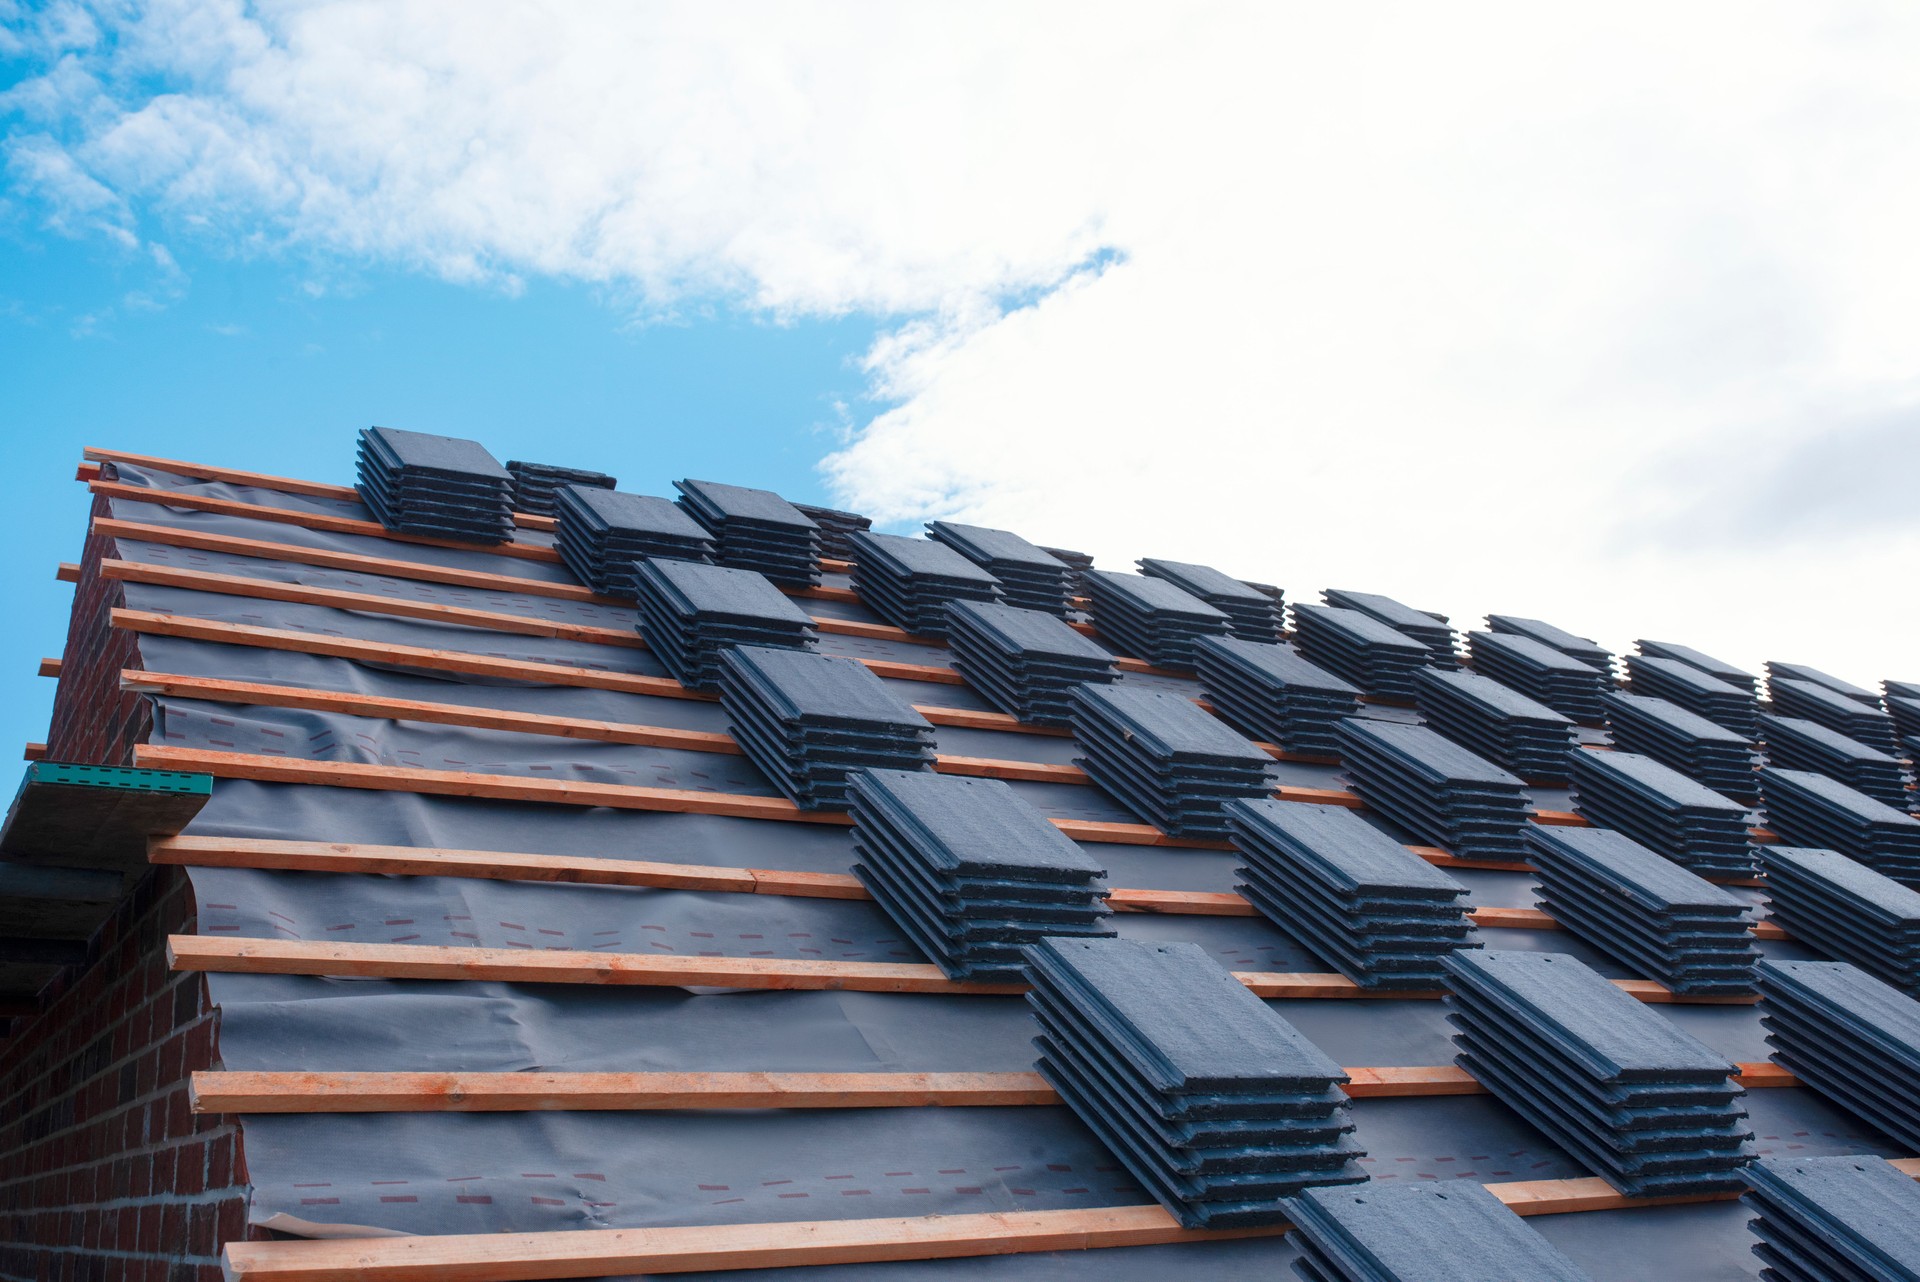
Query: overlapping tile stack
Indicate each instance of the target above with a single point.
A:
(1024, 662)
(969, 871)
(1696, 747)
(1270, 692)
(809, 720)
(1650, 1109)
(755, 530)
(1820, 1218)
(1847, 911)
(1718, 669)
(691, 613)
(1252, 615)
(441, 487)
(1501, 724)
(1645, 911)
(1665, 811)
(1849, 1036)
(1810, 702)
(1424, 626)
(1359, 648)
(1807, 809)
(1447, 1231)
(1545, 675)
(1150, 619)
(536, 486)
(1077, 563)
(908, 582)
(1217, 1105)
(1797, 744)
(1438, 791)
(837, 528)
(1164, 758)
(1380, 914)
(1778, 671)
(1701, 693)
(600, 534)
(1902, 703)
(1029, 578)
(1582, 648)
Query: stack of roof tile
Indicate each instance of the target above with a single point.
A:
(1701, 693)
(1424, 626)
(970, 871)
(908, 582)
(1664, 810)
(837, 528)
(690, 613)
(809, 720)
(756, 530)
(1164, 758)
(1645, 911)
(1217, 1105)
(1029, 578)
(1501, 724)
(1718, 669)
(440, 486)
(1856, 720)
(1820, 1218)
(1271, 693)
(537, 485)
(1587, 651)
(1540, 672)
(1847, 911)
(1778, 671)
(1359, 899)
(1251, 614)
(1794, 743)
(1647, 1107)
(1150, 618)
(1436, 790)
(1360, 648)
(602, 533)
(1448, 1231)
(1903, 705)
(1807, 809)
(1077, 563)
(1849, 1036)
(1687, 741)
(1024, 662)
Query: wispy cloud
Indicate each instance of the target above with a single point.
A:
(1491, 306)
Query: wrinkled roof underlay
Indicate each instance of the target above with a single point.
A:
(509, 938)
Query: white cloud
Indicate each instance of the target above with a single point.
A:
(1515, 307)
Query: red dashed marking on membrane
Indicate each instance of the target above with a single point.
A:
(839, 1177)
(400, 1197)
(462, 934)
(319, 1201)
(398, 921)
(589, 1175)
(714, 1188)
(1006, 1168)
(643, 927)
(401, 939)
(916, 1190)
(462, 1179)
(792, 1195)
(218, 928)
(378, 1182)
(894, 1175)
(538, 1175)
(473, 1199)
(767, 1184)
(282, 916)
(726, 1201)
(546, 1201)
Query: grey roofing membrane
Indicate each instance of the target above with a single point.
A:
(488, 1173)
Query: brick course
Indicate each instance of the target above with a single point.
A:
(105, 1173)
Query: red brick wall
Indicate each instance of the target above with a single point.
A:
(104, 1173)
(95, 722)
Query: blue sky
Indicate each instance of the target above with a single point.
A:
(1494, 308)
(243, 366)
